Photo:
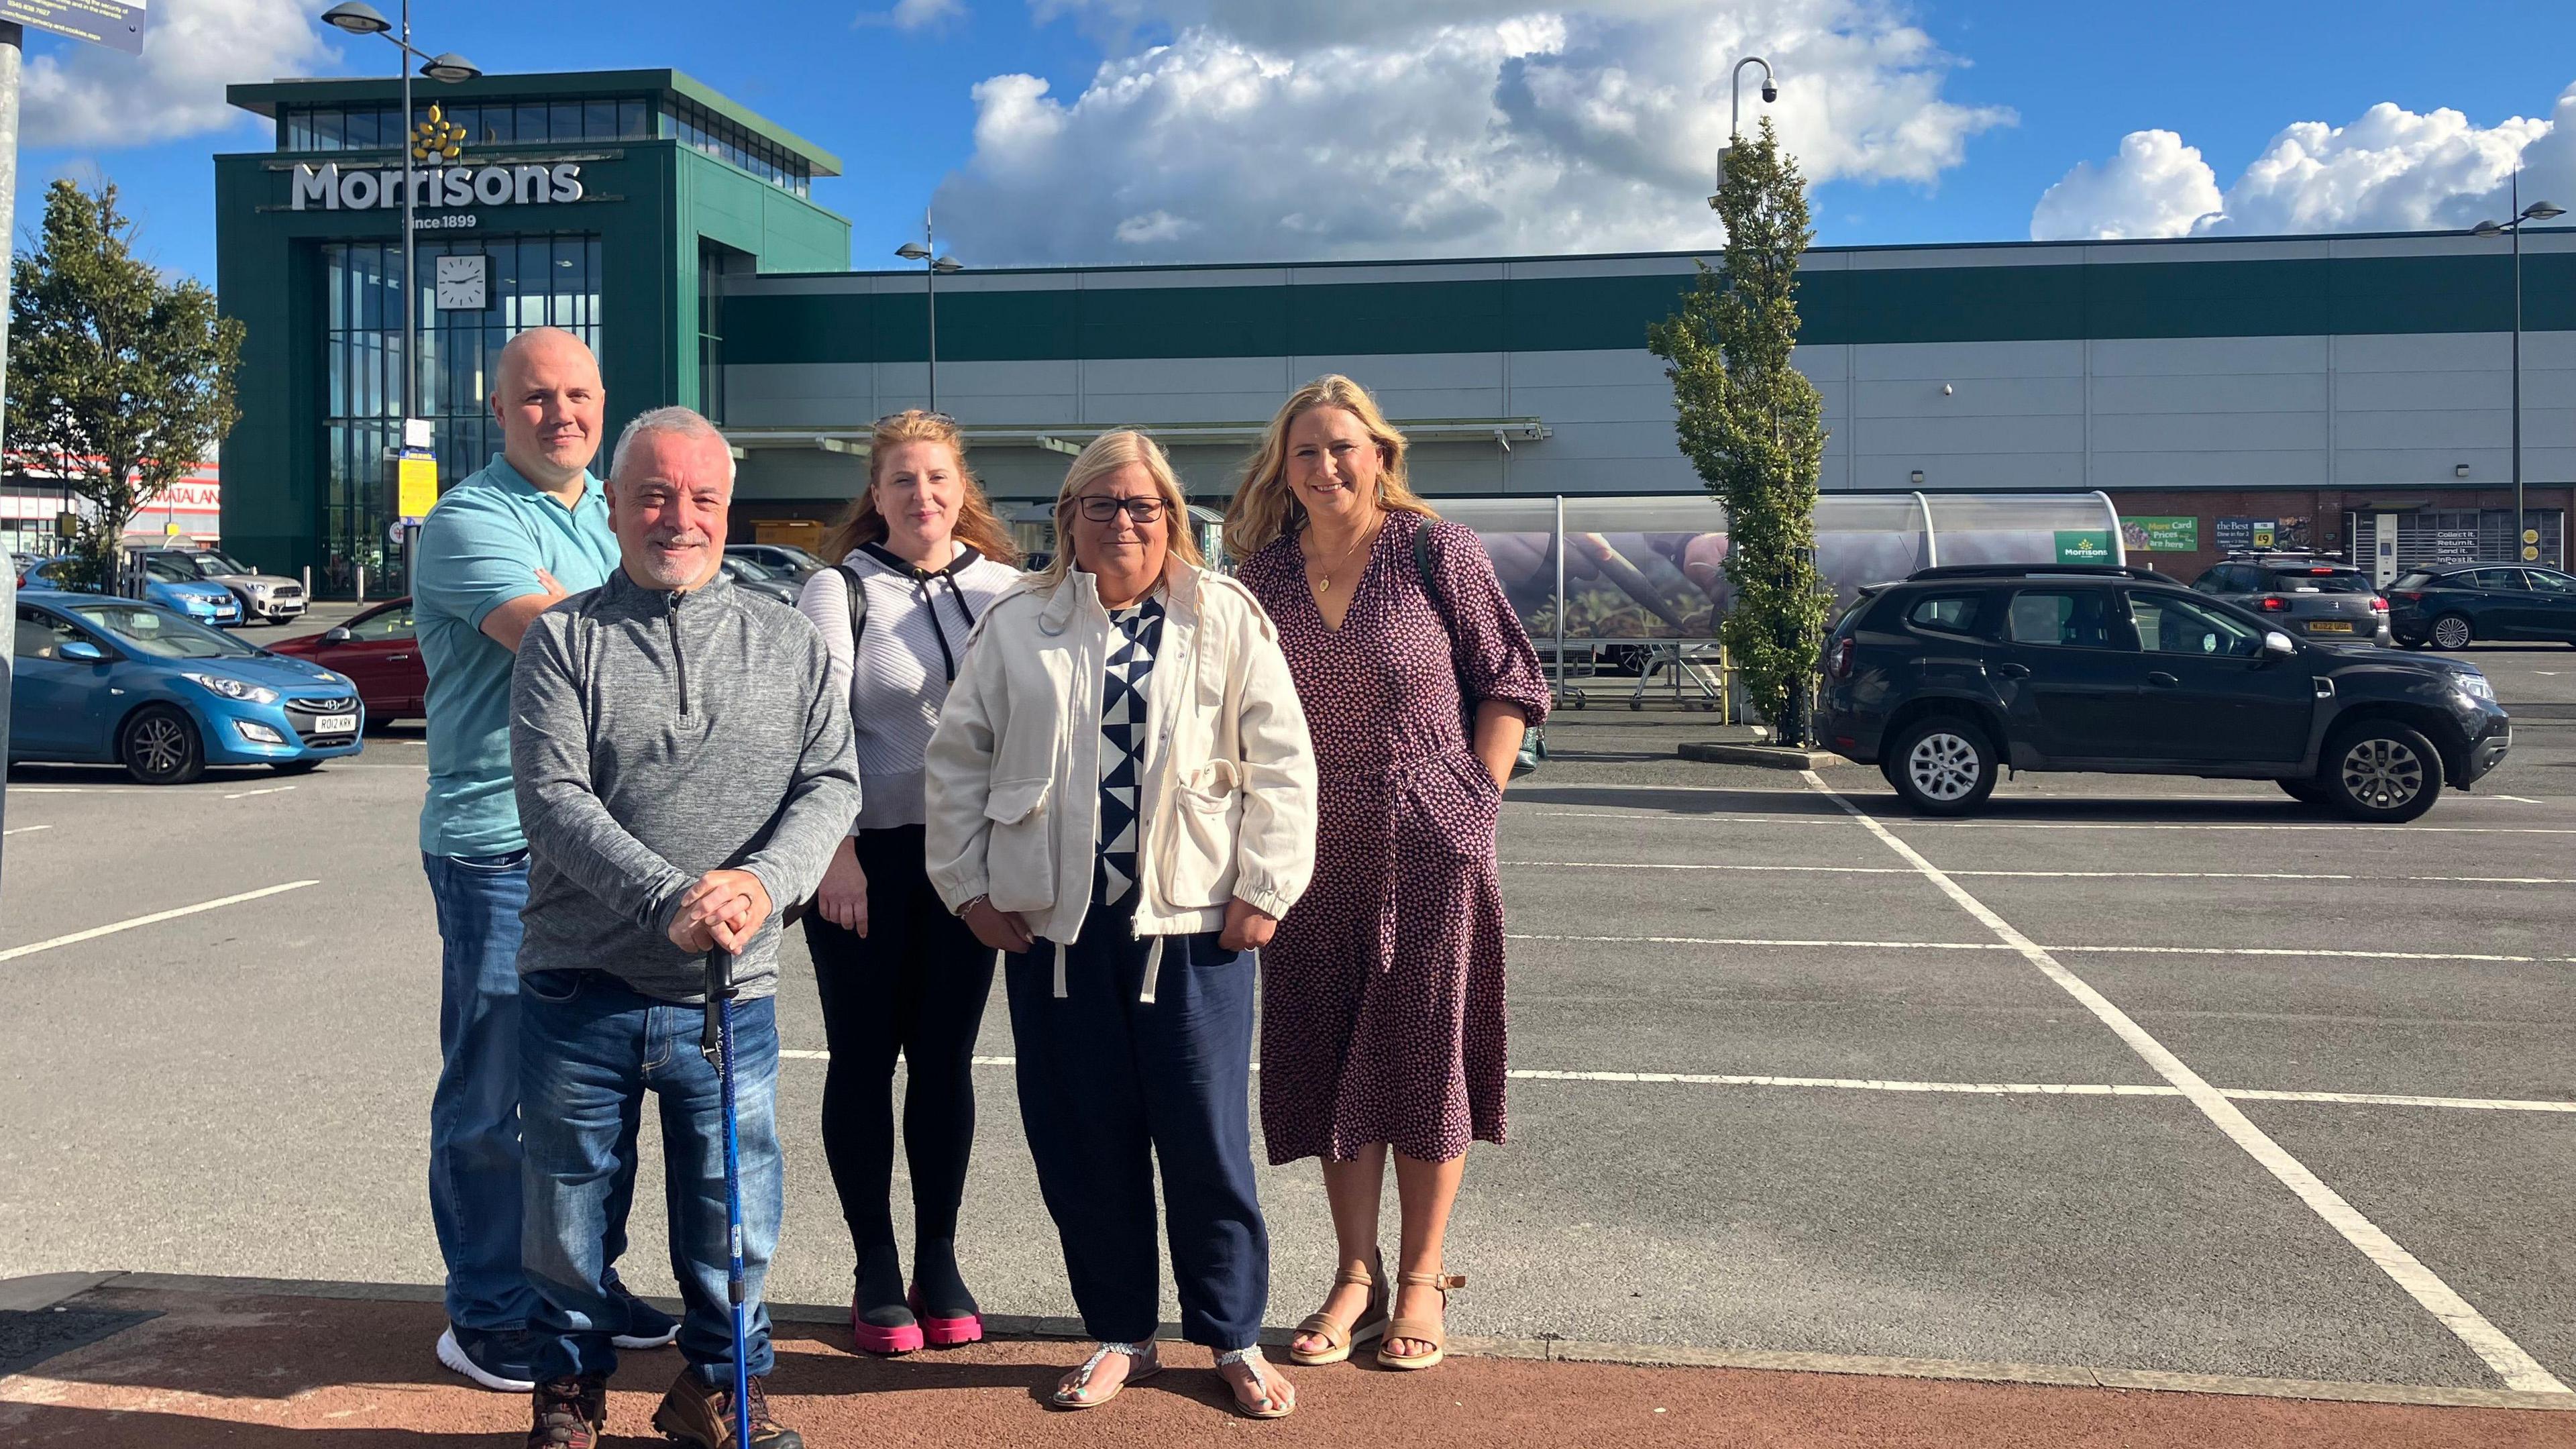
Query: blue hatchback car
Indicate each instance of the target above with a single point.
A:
(104, 680)
(165, 583)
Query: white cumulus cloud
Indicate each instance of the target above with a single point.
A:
(1270, 128)
(2391, 169)
(2155, 186)
(915, 14)
(192, 49)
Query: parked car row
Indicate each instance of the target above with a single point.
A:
(1956, 674)
(204, 584)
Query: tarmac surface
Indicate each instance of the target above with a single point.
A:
(2127, 1074)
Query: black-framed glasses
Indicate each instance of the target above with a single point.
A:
(1139, 510)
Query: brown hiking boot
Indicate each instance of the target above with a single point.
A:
(568, 1414)
(694, 1413)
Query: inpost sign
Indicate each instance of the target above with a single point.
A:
(333, 187)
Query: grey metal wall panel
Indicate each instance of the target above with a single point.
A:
(2207, 356)
(1977, 397)
(2187, 434)
(1947, 361)
(2255, 392)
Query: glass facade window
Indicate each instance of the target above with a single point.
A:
(498, 123)
(530, 281)
(728, 142)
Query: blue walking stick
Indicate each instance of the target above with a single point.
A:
(716, 1045)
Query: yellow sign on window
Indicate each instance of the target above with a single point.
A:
(416, 487)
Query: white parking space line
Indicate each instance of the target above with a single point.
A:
(2046, 874)
(2490, 958)
(94, 932)
(1675, 817)
(1977, 1089)
(24, 829)
(2517, 1368)
(271, 790)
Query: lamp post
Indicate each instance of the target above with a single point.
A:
(358, 18)
(1735, 110)
(2537, 211)
(933, 268)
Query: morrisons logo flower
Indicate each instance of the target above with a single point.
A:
(437, 138)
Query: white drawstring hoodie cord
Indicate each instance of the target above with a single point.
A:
(1153, 969)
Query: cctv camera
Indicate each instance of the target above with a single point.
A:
(1770, 92)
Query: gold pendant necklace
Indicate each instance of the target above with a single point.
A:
(1349, 553)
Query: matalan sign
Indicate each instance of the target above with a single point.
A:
(332, 187)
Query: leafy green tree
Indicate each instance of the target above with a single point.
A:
(1752, 426)
(126, 377)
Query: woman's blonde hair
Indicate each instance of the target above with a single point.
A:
(1107, 454)
(977, 525)
(1264, 508)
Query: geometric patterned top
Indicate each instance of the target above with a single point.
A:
(1134, 632)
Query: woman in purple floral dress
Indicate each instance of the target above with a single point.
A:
(1382, 1021)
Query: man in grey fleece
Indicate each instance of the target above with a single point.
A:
(684, 772)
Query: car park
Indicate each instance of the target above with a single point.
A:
(378, 651)
(1955, 674)
(108, 680)
(167, 585)
(265, 598)
(783, 559)
(2313, 596)
(2454, 607)
(760, 578)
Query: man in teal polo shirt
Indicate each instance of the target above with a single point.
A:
(499, 549)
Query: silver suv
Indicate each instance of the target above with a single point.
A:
(265, 598)
(2312, 595)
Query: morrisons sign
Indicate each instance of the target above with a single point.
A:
(330, 187)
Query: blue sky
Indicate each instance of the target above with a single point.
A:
(1313, 128)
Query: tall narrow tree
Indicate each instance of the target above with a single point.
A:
(124, 377)
(1752, 426)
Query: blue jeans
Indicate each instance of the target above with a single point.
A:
(474, 1113)
(590, 1047)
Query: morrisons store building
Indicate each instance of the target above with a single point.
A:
(2349, 393)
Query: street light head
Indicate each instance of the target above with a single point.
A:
(357, 18)
(1770, 92)
(2487, 228)
(912, 251)
(945, 265)
(2542, 211)
(450, 67)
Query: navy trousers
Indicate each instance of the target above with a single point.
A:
(1109, 1086)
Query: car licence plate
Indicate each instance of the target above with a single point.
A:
(2330, 626)
(336, 724)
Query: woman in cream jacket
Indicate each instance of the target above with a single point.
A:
(1121, 798)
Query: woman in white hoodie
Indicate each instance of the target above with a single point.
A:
(1122, 798)
(921, 559)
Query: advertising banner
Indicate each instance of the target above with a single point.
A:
(2160, 535)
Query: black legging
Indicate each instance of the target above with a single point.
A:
(915, 985)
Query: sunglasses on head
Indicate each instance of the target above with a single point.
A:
(914, 412)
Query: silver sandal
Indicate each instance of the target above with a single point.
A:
(1144, 1364)
(1251, 1358)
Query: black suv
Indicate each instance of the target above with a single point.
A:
(1955, 673)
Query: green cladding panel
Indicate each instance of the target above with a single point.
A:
(2070, 301)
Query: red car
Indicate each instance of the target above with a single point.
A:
(377, 650)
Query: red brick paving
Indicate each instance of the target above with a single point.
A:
(309, 1373)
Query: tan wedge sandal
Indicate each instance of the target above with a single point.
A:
(1433, 1331)
(1341, 1338)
